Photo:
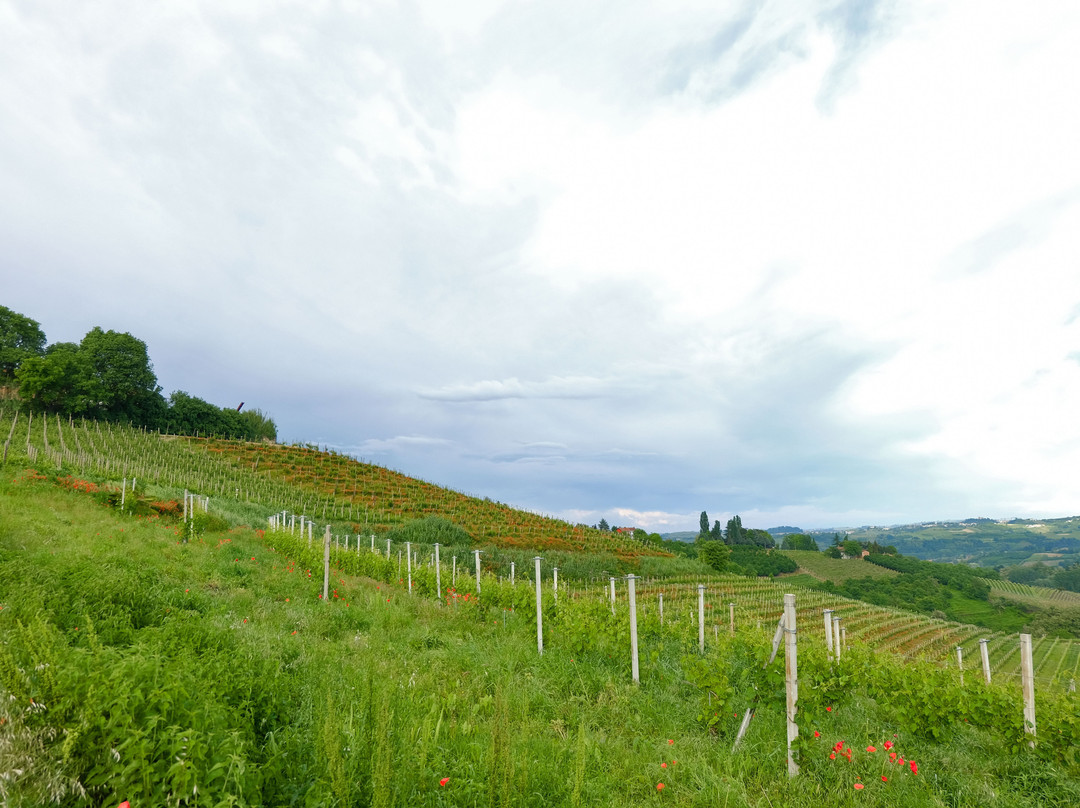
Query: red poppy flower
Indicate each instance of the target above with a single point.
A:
(914, 767)
(659, 786)
(858, 786)
(888, 745)
(817, 734)
(444, 781)
(670, 741)
(884, 779)
(871, 749)
(663, 765)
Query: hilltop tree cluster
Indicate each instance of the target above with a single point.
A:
(734, 534)
(108, 376)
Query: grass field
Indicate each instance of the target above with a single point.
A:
(837, 570)
(137, 665)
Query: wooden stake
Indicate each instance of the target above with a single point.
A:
(539, 611)
(791, 677)
(701, 617)
(1027, 681)
(631, 594)
(985, 660)
(438, 575)
(828, 632)
(326, 565)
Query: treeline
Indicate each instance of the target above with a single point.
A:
(108, 376)
(1040, 574)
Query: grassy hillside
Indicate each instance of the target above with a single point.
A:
(825, 568)
(171, 663)
(142, 667)
(358, 497)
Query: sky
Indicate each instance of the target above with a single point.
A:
(813, 263)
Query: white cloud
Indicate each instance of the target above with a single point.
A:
(808, 263)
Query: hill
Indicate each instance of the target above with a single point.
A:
(165, 660)
(976, 541)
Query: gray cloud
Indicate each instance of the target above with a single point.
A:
(276, 204)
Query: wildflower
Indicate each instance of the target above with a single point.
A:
(871, 749)
(914, 767)
(817, 734)
(832, 756)
(858, 786)
(884, 779)
(663, 765)
(828, 709)
(444, 781)
(888, 745)
(659, 786)
(670, 741)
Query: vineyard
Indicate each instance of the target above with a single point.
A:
(202, 654)
(301, 480)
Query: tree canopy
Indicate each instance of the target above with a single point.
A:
(20, 339)
(109, 375)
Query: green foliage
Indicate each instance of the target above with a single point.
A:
(761, 562)
(716, 554)
(20, 339)
(57, 381)
(799, 541)
(703, 523)
(430, 530)
(120, 380)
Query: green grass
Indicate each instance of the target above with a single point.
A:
(836, 570)
(210, 673)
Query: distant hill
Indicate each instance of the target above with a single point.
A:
(979, 541)
(680, 535)
(783, 530)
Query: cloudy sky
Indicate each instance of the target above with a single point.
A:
(815, 263)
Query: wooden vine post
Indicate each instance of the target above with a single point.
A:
(555, 583)
(701, 617)
(985, 660)
(408, 563)
(539, 611)
(828, 632)
(960, 663)
(836, 636)
(1027, 681)
(438, 575)
(661, 608)
(731, 609)
(791, 678)
(326, 565)
(632, 595)
(511, 573)
(476, 555)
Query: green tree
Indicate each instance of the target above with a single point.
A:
(703, 522)
(57, 381)
(258, 425)
(121, 379)
(734, 533)
(603, 525)
(717, 532)
(20, 339)
(852, 548)
(715, 553)
(799, 541)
